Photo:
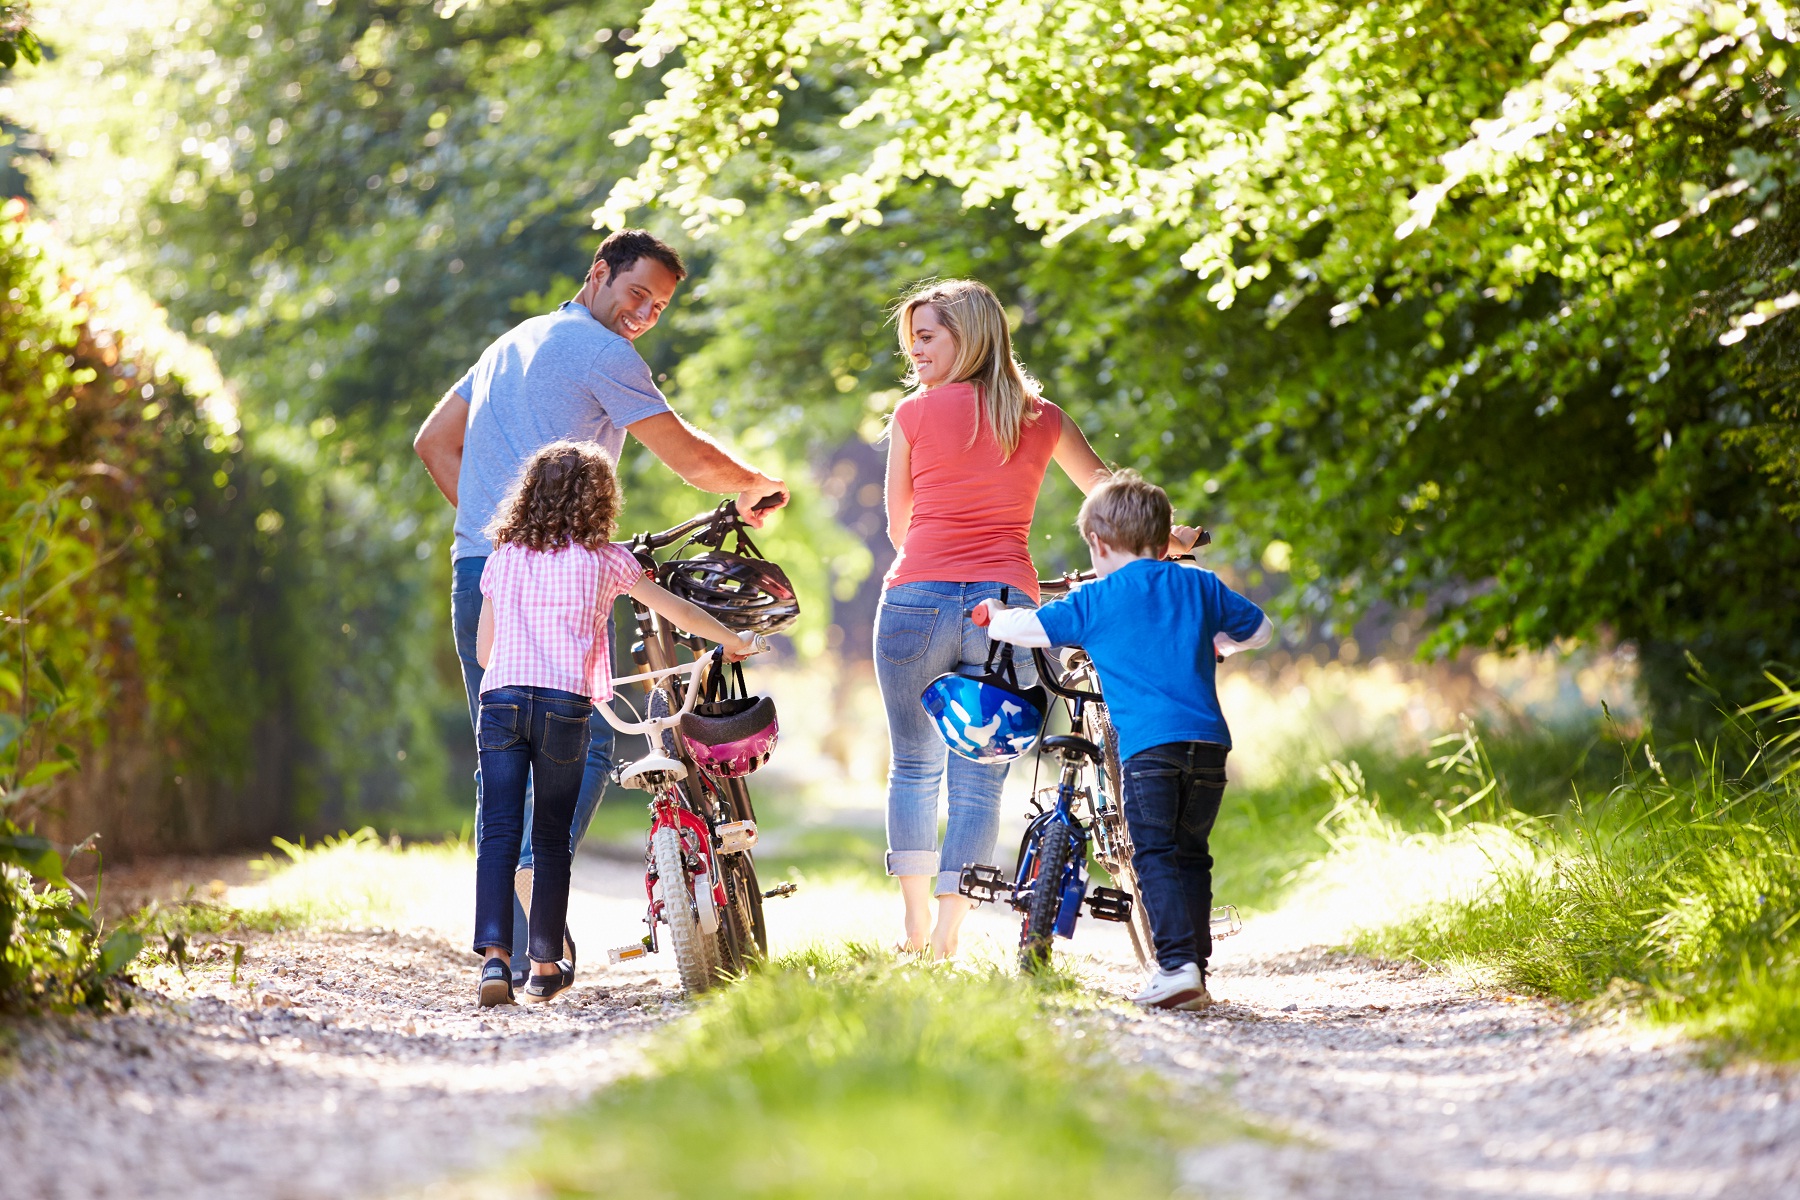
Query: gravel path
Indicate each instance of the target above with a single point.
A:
(355, 1065)
(1395, 1082)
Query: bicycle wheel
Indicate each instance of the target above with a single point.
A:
(1115, 838)
(1046, 898)
(692, 960)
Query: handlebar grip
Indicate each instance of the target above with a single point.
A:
(981, 615)
(768, 502)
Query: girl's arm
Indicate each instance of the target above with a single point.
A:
(691, 617)
(484, 633)
(1077, 458)
(899, 485)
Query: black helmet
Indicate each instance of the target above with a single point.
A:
(743, 590)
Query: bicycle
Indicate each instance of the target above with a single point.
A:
(702, 824)
(1086, 814)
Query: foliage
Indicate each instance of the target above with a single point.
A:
(55, 950)
(832, 1074)
(1452, 301)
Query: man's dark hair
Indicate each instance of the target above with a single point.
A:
(621, 250)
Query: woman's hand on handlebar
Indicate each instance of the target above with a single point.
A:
(1182, 539)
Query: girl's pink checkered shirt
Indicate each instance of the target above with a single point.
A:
(553, 616)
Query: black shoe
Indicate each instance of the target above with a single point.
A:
(542, 988)
(496, 985)
(567, 962)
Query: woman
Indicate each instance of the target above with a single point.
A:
(967, 453)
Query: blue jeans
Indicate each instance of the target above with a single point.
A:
(538, 737)
(922, 630)
(465, 616)
(1172, 795)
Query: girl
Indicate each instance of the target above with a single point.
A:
(967, 454)
(548, 591)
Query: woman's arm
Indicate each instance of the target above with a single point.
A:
(691, 617)
(899, 485)
(1077, 458)
(484, 633)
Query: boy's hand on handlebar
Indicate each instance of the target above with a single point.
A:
(756, 502)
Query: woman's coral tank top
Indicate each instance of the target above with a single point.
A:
(972, 506)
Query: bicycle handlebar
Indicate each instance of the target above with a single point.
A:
(658, 724)
(726, 516)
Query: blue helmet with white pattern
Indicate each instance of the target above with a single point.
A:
(986, 717)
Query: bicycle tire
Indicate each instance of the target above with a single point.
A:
(745, 810)
(1102, 733)
(1046, 898)
(692, 960)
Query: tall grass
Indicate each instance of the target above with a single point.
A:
(1676, 893)
(847, 1074)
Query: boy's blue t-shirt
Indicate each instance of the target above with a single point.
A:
(1149, 628)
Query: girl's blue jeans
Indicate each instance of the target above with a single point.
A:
(922, 630)
(539, 736)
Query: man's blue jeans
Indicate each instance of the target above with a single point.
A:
(1172, 795)
(922, 630)
(465, 616)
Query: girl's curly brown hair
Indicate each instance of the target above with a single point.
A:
(568, 494)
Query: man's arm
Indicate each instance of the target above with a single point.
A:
(707, 465)
(439, 443)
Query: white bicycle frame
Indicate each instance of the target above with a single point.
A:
(656, 770)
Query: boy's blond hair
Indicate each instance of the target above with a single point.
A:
(1128, 513)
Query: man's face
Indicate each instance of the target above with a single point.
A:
(630, 304)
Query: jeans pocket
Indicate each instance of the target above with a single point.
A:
(902, 634)
(499, 727)
(565, 738)
(1152, 796)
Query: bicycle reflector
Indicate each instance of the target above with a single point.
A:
(987, 717)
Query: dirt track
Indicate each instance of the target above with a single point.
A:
(357, 1066)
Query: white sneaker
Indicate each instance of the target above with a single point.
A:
(1184, 988)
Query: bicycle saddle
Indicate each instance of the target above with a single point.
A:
(653, 772)
(1060, 742)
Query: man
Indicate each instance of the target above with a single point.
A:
(571, 374)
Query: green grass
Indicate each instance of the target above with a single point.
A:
(848, 1074)
(353, 880)
(1674, 894)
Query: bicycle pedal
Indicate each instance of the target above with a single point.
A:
(627, 953)
(983, 883)
(736, 836)
(1225, 921)
(780, 890)
(1109, 904)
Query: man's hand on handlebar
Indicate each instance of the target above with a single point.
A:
(756, 502)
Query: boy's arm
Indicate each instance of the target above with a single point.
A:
(1227, 645)
(1020, 626)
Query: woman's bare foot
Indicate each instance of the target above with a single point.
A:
(946, 938)
(916, 891)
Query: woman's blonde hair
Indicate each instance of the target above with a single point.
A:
(984, 357)
(567, 494)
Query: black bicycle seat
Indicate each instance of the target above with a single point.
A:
(1063, 742)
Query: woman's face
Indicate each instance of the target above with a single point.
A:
(933, 349)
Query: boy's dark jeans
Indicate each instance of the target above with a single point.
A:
(539, 735)
(1172, 795)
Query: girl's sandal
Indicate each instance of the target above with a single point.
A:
(540, 989)
(496, 984)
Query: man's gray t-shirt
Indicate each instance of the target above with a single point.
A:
(561, 375)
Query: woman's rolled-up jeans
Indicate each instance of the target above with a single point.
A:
(536, 735)
(922, 630)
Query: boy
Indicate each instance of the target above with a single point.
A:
(1153, 629)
